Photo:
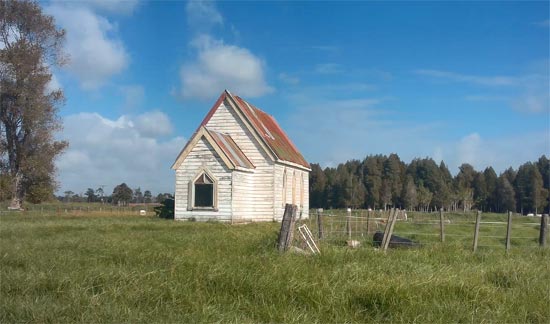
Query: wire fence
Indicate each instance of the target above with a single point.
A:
(86, 209)
(339, 226)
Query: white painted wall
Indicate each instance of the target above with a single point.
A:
(203, 156)
(258, 205)
(242, 196)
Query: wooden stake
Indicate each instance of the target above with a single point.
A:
(320, 222)
(390, 225)
(476, 231)
(368, 221)
(441, 226)
(509, 231)
(543, 230)
(387, 228)
(348, 224)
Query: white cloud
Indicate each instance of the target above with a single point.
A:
(95, 55)
(124, 7)
(202, 14)
(526, 93)
(328, 68)
(153, 124)
(134, 95)
(289, 79)
(340, 130)
(469, 149)
(108, 152)
(476, 79)
(53, 85)
(220, 66)
(482, 97)
(544, 23)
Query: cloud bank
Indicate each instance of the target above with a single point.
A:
(132, 149)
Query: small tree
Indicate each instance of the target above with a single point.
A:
(147, 196)
(138, 196)
(122, 194)
(90, 193)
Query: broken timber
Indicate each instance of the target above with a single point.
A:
(308, 239)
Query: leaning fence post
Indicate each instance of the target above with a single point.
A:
(509, 231)
(391, 223)
(287, 228)
(476, 231)
(320, 222)
(543, 230)
(441, 226)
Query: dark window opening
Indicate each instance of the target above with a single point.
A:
(204, 191)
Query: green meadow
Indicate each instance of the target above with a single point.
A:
(105, 269)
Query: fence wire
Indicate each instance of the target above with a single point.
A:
(425, 228)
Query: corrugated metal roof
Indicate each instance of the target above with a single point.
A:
(231, 149)
(268, 128)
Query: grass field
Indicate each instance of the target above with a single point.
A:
(138, 269)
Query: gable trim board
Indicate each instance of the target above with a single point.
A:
(227, 149)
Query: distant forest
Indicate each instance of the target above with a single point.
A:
(380, 182)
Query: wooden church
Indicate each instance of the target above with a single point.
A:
(239, 166)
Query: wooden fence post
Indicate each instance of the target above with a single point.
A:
(476, 231)
(368, 221)
(287, 228)
(348, 224)
(509, 231)
(543, 230)
(320, 222)
(441, 226)
(391, 223)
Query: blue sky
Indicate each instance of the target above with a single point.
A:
(462, 82)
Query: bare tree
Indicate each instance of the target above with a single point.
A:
(30, 44)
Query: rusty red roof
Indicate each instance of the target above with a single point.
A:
(266, 127)
(231, 149)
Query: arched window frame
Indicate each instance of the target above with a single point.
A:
(283, 193)
(302, 189)
(294, 178)
(192, 191)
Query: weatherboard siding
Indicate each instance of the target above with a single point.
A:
(203, 156)
(297, 180)
(253, 193)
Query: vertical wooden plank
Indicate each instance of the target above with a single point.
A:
(476, 230)
(320, 222)
(441, 226)
(386, 228)
(368, 221)
(543, 230)
(391, 224)
(287, 228)
(348, 224)
(509, 231)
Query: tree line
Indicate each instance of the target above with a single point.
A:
(381, 181)
(122, 195)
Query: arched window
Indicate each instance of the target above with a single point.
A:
(294, 188)
(283, 193)
(203, 192)
(302, 187)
